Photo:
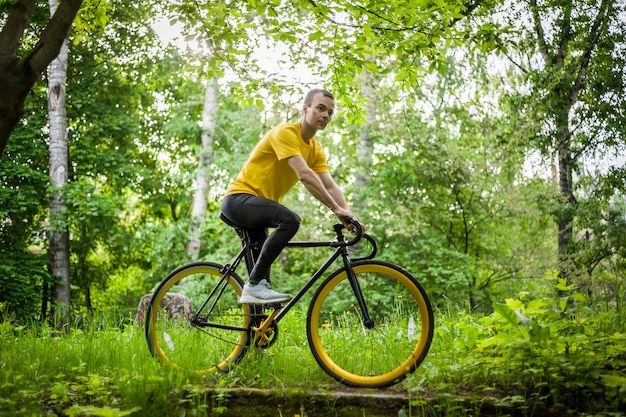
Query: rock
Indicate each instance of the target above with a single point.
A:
(176, 305)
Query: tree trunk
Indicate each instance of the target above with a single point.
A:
(81, 255)
(87, 292)
(59, 235)
(17, 76)
(203, 174)
(566, 189)
(366, 142)
(44, 300)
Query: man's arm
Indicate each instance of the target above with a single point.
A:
(333, 189)
(321, 188)
(337, 193)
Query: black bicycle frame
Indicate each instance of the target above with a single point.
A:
(341, 251)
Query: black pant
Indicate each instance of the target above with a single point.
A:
(258, 214)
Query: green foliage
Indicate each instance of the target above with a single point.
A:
(23, 277)
(557, 354)
(23, 181)
(342, 41)
(570, 113)
(446, 196)
(108, 102)
(23, 211)
(91, 17)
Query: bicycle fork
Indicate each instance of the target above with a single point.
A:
(368, 323)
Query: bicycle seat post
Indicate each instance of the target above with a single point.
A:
(246, 242)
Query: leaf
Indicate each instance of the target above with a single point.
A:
(523, 319)
(506, 312)
(514, 304)
(563, 286)
(539, 333)
(614, 381)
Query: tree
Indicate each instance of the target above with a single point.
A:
(342, 39)
(59, 166)
(571, 55)
(365, 145)
(203, 173)
(19, 70)
(447, 197)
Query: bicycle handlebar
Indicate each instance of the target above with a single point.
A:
(359, 231)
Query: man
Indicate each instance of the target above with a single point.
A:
(287, 154)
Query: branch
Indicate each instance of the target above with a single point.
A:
(470, 8)
(565, 35)
(541, 37)
(383, 18)
(16, 24)
(52, 37)
(594, 37)
(514, 62)
(398, 26)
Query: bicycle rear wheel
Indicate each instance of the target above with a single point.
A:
(388, 351)
(208, 329)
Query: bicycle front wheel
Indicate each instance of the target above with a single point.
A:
(194, 321)
(376, 354)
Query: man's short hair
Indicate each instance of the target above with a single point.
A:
(308, 99)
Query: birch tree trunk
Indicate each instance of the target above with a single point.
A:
(366, 142)
(59, 235)
(203, 174)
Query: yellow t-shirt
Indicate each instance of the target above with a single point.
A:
(267, 173)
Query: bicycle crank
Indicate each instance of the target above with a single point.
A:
(266, 333)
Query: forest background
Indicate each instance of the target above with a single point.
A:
(482, 143)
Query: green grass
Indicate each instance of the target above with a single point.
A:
(567, 357)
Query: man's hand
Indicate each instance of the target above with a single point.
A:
(342, 214)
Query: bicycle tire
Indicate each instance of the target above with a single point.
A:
(196, 340)
(385, 354)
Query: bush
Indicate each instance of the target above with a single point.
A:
(22, 278)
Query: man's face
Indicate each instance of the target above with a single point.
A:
(320, 112)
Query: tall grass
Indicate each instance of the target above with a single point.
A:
(539, 356)
(103, 365)
(99, 365)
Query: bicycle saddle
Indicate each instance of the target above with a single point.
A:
(229, 221)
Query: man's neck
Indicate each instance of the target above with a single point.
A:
(306, 132)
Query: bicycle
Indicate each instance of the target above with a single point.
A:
(375, 309)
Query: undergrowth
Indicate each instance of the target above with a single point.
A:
(529, 357)
(536, 356)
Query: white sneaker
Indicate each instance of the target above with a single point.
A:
(261, 293)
